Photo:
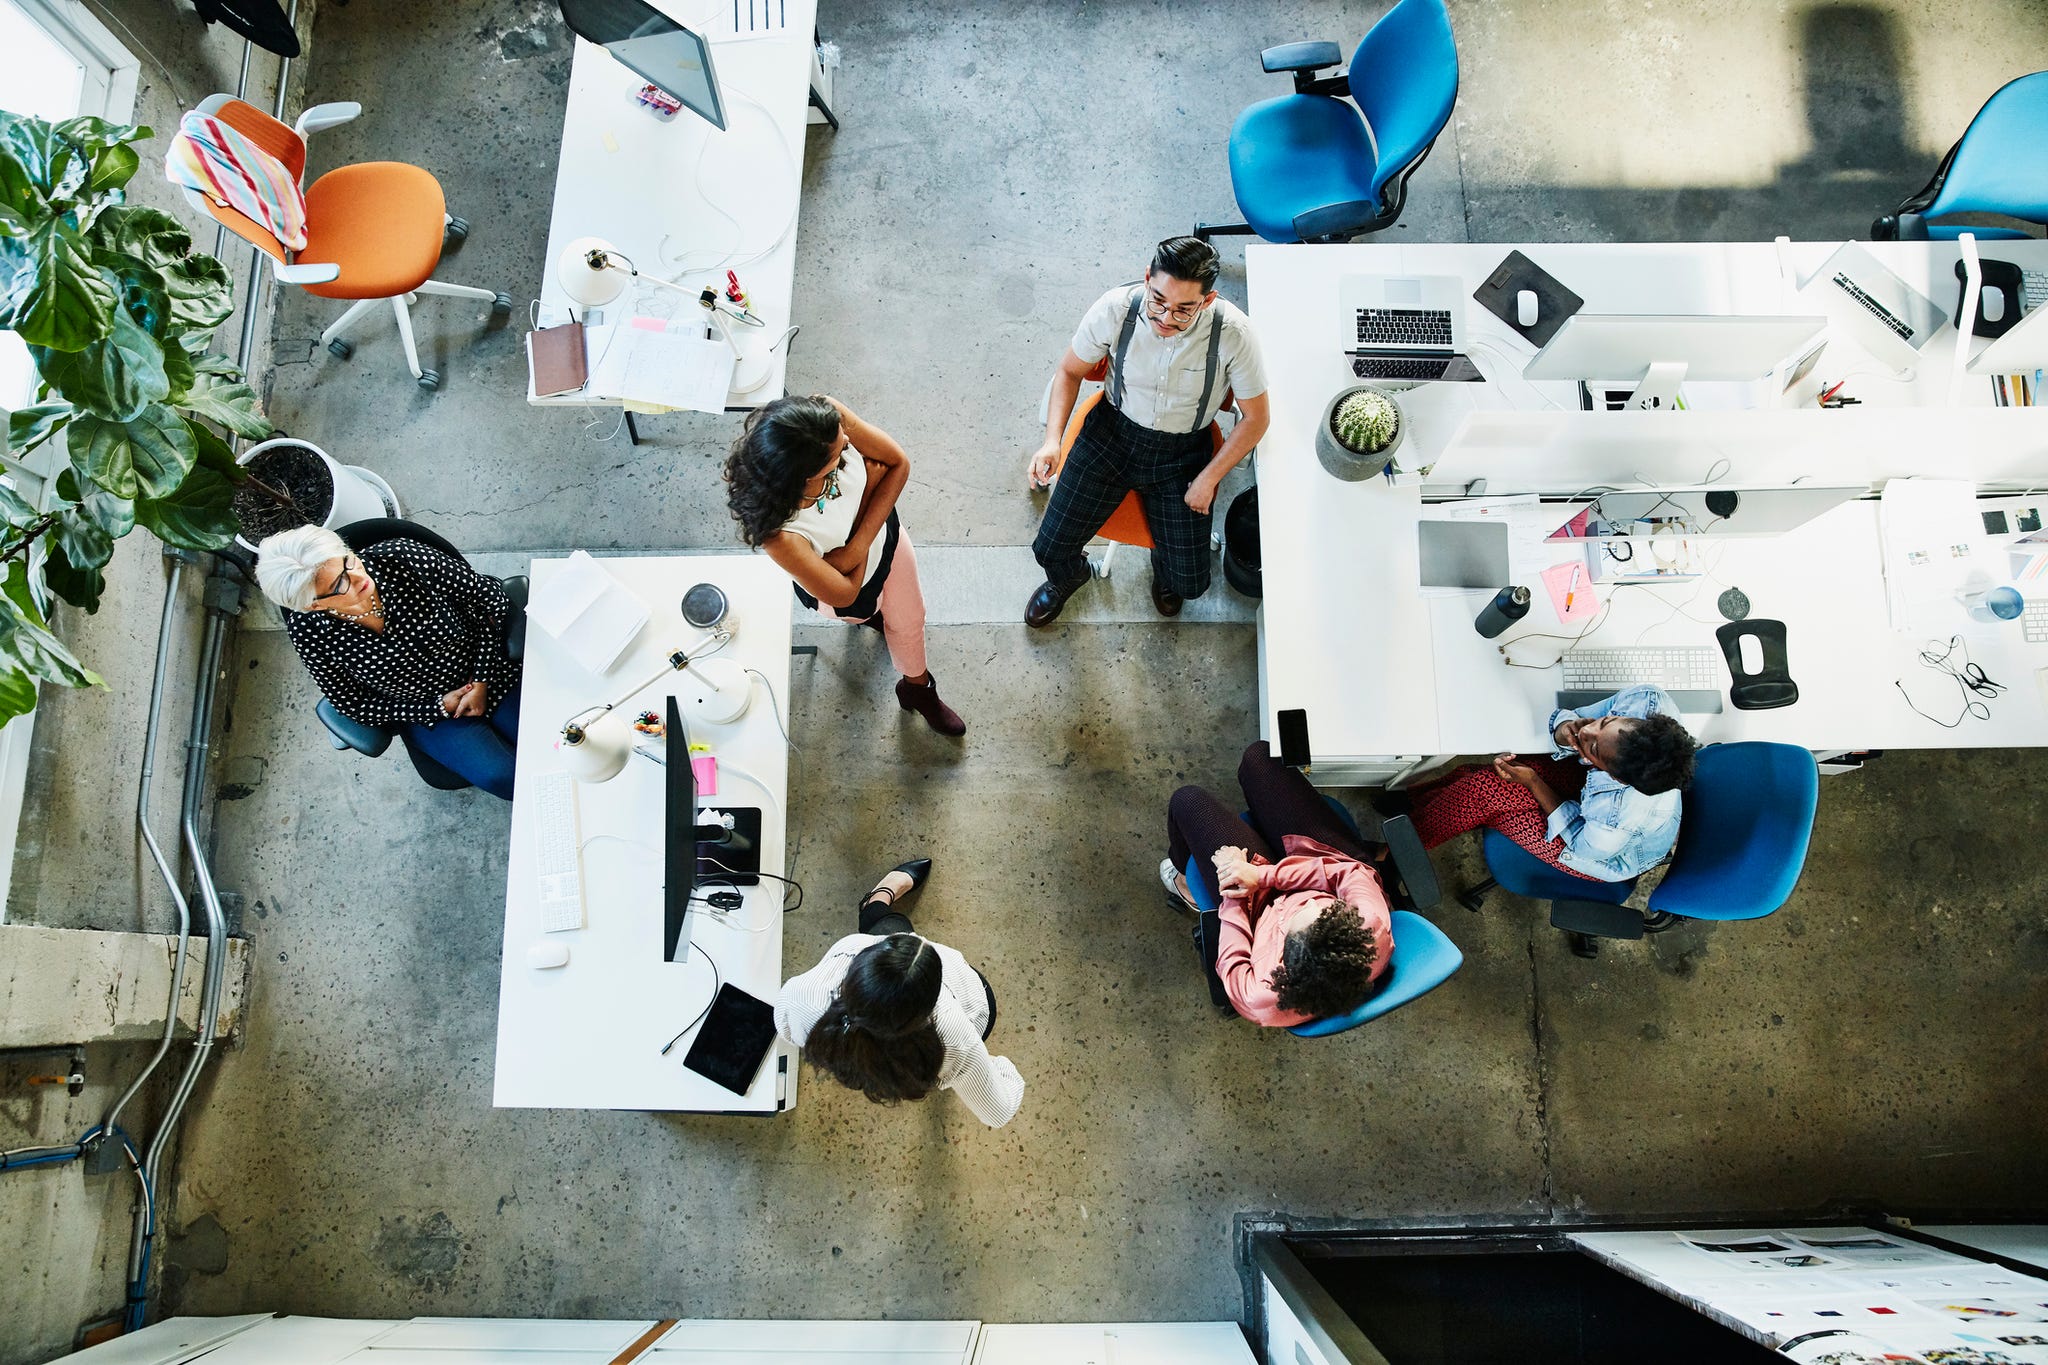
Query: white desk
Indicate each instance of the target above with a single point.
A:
(588, 1035)
(681, 199)
(1391, 677)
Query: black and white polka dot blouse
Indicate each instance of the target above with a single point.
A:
(444, 628)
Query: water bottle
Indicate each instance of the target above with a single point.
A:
(1508, 606)
(1998, 604)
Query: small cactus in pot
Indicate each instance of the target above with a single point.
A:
(1362, 427)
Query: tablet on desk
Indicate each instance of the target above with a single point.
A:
(735, 1039)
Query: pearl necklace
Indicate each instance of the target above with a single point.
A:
(374, 608)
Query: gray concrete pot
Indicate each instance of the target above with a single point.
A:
(1341, 460)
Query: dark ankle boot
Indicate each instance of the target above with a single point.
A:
(923, 698)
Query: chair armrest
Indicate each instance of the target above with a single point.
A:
(1337, 222)
(516, 588)
(1411, 862)
(1301, 57)
(321, 117)
(344, 733)
(1596, 918)
(319, 272)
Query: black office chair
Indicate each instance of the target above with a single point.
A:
(372, 740)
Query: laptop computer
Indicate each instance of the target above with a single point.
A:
(1406, 327)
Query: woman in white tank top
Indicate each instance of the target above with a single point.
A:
(816, 487)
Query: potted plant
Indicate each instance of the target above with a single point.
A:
(295, 483)
(1362, 428)
(117, 310)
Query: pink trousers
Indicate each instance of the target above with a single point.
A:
(902, 610)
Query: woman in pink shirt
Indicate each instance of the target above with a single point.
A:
(1300, 936)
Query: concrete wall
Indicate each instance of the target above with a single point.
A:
(78, 861)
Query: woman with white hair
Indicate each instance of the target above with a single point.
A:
(403, 635)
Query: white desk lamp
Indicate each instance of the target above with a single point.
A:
(593, 272)
(595, 748)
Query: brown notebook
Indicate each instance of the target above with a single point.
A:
(557, 359)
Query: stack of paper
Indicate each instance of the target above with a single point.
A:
(1934, 550)
(588, 611)
(641, 362)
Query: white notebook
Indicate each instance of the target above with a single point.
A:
(588, 611)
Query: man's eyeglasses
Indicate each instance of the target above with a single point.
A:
(1156, 305)
(340, 584)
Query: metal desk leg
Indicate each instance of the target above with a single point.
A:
(796, 650)
(632, 432)
(819, 104)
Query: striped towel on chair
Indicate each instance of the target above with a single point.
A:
(211, 158)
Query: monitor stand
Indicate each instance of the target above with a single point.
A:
(1657, 390)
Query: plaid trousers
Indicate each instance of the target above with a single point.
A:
(1113, 456)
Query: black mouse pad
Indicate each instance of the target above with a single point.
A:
(1554, 302)
(735, 1038)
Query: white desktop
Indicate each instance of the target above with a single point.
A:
(587, 1032)
(1657, 353)
(1395, 678)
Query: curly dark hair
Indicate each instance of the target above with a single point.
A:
(1654, 755)
(1326, 968)
(782, 446)
(877, 1035)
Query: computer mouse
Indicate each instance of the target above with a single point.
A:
(545, 953)
(1525, 307)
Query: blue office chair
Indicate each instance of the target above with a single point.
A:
(2000, 165)
(372, 740)
(1741, 844)
(1424, 956)
(1307, 167)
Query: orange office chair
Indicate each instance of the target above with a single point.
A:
(1126, 525)
(374, 230)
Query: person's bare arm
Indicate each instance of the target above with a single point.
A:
(803, 563)
(888, 471)
(1254, 416)
(1059, 409)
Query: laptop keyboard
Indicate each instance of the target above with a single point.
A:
(1404, 327)
(1399, 367)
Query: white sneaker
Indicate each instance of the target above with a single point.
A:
(1176, 885)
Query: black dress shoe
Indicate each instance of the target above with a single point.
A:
(1044, 607)
(1165, 599)
(917, 869)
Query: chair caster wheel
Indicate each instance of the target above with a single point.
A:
(1472, 900)
(457, 229)
(340, 349)
(1657, 921)
(501, 306)
(1583, 945)
(430, 380)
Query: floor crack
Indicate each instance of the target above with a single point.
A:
(1549, 1193)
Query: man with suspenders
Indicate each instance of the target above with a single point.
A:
(1174, 350)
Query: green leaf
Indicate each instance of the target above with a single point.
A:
(202, 293)
(55, 297)
(145, 457)
(227, 400)
(14, 508)
(141, 287)
(179, 375)
(114, 167)
(198, 515)
(149, 235)
(94, 135)
(28, 428)
(114, 379)
(77, 551)
(46, 157)
(27, 644)
(217, 455)
(111, 513)
(17, 694)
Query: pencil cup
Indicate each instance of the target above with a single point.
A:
(1994, 604)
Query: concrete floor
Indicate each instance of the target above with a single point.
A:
(1880, 1038)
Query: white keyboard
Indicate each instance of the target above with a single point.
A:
(561, 867)
(1682, 668)
(2033, 289)
(2034, 620)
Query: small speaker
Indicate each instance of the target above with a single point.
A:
(704, 606)
(1722, 502)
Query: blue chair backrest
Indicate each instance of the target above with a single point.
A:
(1424, 958)
(2001, 165)
(1529, 877)
(1404, 78)
(1748, 817)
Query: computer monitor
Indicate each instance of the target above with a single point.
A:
(2022, 350)
(1703, 511)
(679, 842)
(1658, 352)
(655, 46)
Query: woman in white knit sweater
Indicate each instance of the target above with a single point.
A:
(893, 1015)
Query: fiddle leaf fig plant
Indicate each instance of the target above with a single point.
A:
(117, 311)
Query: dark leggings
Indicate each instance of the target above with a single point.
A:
(1282, 802)
(879, 915)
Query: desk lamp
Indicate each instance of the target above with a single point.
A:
(595, 747)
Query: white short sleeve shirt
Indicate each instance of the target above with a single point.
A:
(1163, 379)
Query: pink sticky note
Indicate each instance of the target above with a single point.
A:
(1558, 578)
(649, 324)
(706, 769)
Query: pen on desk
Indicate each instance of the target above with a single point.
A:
(649, 755)
(1571, 590)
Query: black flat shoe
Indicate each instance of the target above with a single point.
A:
(1045, 605)
(1166, 601)
(917, 869)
